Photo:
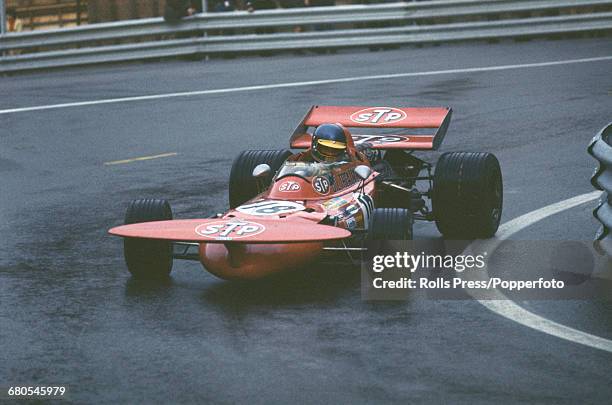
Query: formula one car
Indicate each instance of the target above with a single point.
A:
(287, 210)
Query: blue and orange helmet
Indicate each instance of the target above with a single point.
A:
(329, 143)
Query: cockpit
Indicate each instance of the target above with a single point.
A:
(307, 170)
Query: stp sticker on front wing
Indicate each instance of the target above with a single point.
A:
(230, 229)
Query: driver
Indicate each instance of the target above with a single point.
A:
(329, 144)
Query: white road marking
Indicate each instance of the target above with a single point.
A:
(507, 308)
(138, 159)
(302, 84)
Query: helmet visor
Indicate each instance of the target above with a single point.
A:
(329, 148)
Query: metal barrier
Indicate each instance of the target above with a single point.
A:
(601, 150)
(335, 27)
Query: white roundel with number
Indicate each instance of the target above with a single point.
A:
(270, 207)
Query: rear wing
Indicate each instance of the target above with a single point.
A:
(436, 119)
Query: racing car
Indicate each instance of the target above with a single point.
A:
(287, 209)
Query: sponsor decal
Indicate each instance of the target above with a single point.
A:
(334, 203)
(351, 223)
(348, 212)
(345, 179)
(321, 185)
(378, 139)
(366, 203)
(270, 207)
(378, 115)
(289, 186)
(229, 229)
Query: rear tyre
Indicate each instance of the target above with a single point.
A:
(146, 258)
(391, 224)
(467, 195)
(242, 185)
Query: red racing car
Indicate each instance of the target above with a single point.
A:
(288, 209)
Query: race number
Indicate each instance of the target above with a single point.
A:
(270, 207)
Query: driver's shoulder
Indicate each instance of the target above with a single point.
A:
(305, 156)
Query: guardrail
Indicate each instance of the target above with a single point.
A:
(334, 27)
(601, 150)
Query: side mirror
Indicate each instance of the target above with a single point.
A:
(363, 172)
(261, 171)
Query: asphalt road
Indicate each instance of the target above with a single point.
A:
(70, 314)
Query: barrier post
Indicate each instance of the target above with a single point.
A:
(601, 150)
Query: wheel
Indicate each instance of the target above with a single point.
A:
(467, 195)
(390, 228)
(242, 185)
(146, 258)
(390, 224)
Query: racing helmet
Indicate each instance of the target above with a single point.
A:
(329, 143)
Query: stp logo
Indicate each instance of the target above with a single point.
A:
(230, 229)
(289, 186)
(321, 185)
(378, 115)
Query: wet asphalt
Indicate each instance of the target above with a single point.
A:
(70, 313)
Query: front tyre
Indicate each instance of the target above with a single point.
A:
(242, 185)
(389, 230)
(391, 224)
(467, 195)
(148, 258)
